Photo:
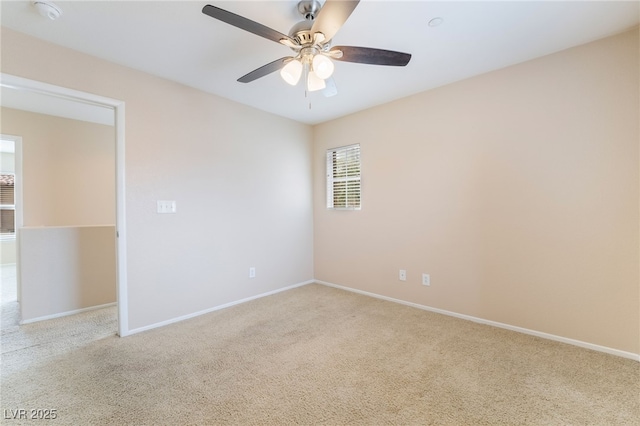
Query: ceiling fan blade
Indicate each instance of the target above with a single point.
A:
(330, 89)
(265, 70)
(245, 24)
(332, 16)
(368, 55)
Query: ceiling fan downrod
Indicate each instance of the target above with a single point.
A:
(301, 32)
(309, 9)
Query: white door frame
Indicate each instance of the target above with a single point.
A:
(17, 194)
(19, 83)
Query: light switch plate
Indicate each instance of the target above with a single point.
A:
(165, 206)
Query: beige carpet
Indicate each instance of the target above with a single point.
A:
(316, 355)
(8, 296)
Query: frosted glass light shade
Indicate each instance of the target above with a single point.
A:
(322, 66)
(314, 82)
(291, 72)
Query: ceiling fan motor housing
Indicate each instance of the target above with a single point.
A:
(301, 31)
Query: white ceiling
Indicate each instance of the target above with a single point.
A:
(175, 40)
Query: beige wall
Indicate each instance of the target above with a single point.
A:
(66, 269)
(516, 190)
(7, 252)
(241, 179)
(68, 169)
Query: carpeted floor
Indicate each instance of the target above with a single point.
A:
(47, 338)
(10, 316)
(315, 355)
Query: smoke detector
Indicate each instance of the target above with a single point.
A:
(48, 9)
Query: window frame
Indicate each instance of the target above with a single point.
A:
(331, 179)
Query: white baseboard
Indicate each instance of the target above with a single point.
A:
(586, 345)
(215, 308)
(65, 314)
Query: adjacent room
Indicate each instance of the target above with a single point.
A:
(320, 212)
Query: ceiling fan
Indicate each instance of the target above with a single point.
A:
(311, 41)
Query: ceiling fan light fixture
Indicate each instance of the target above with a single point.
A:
(322, 66)
(291, 72)
(315, 83)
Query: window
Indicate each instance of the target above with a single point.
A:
(7, 206)
(343, 178)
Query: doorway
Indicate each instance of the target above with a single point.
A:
(25, 88)
(10, 220)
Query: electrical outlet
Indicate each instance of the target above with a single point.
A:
(252, 272)
(166, 206)
(402, 275)
(426, 279)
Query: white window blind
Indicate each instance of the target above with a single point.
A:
(343, 178)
